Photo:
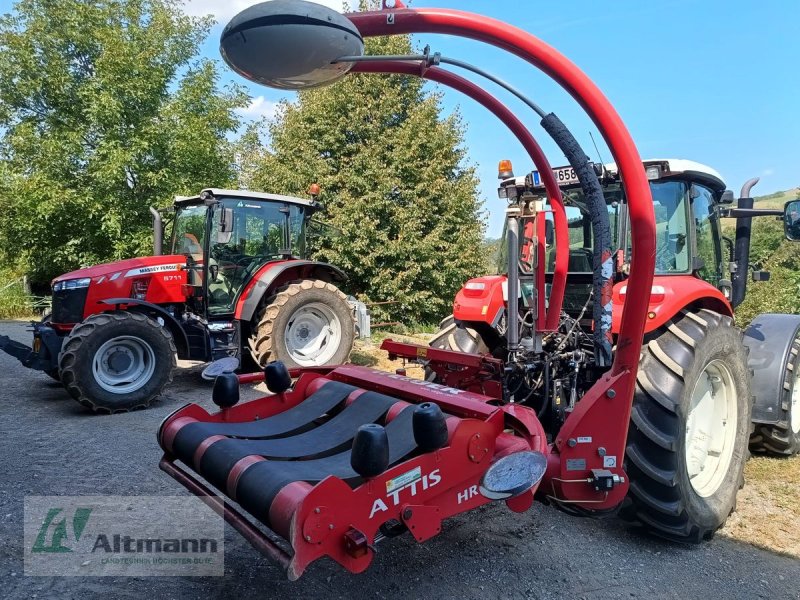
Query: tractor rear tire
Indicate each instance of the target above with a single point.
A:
(783, 437)
(691, 412)
(455, 337)
(116, 362)
(306, 323)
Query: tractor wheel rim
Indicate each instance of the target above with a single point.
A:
(794, 409)
(123, 364)
(313, 335)
(711, 428)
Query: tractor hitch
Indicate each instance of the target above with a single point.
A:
(43, 356)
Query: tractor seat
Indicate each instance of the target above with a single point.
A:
(580, 260)
(252, 461)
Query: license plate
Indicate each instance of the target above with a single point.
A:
(563, 175)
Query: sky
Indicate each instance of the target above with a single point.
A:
(716, 81)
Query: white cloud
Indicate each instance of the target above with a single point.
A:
(223, 10)
(768, 171)
(260, 107)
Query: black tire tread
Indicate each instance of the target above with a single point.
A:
(651, 461)
(778, 438)
(261, 341)
(70, 354)
(452, 336)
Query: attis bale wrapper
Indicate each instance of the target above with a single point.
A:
(534, 387)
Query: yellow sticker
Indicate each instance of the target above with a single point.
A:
(484, 310)
(422, 352)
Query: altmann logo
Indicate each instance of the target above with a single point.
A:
(122, 536)
(126, 544)
(53, 534)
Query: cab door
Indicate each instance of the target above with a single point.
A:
(706, 251)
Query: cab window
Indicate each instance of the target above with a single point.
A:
(706, 226)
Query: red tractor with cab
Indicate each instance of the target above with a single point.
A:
(580, 378)
(693, 259)
(234, 284)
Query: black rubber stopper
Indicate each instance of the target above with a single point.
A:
(277, 377)
(430, 428)
(370, 455)
(225, 392)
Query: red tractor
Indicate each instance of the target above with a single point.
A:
(692, 260)
(235, 284)
(594, 388)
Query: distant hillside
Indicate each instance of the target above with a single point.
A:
(778, 199)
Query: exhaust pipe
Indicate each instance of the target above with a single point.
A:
(158, 232)
(741, 252)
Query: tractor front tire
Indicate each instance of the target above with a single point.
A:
(116, 362)
(690, 424)
(783, 437)
(307, 323)
(455, 337)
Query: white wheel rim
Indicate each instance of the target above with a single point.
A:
(711, 428)
(794, 411)
(313, 335)
(123, 364)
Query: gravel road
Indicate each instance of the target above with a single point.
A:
(52, 446)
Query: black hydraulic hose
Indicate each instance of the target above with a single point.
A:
(603, 264)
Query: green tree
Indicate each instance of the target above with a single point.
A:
(105, 110)
(397, 192)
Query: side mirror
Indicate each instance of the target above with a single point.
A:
(727, 197)
(791, 220)
(225, 226)
(226, 220)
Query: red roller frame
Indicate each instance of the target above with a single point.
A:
(528, 142)
(604, 412)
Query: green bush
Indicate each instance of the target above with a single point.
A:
(14, 302)
(771, 252)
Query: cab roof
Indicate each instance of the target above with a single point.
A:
(674, 167)
(263, 196)
(678, 166)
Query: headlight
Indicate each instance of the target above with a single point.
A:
(72, 284)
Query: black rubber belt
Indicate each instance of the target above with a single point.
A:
(261, 482)
(298, 418)
(333, 436)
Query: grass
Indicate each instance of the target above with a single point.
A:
(768, 511)
(14, 302)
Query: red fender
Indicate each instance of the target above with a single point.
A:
(669, 295)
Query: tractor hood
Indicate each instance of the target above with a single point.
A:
(128, 268)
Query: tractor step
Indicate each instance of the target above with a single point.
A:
(328, 463)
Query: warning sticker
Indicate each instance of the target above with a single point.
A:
(576, 464)
(403, 480)
(585, 440)
(609, 461)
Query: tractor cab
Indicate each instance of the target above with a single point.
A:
(686, 197)
(227, 236)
